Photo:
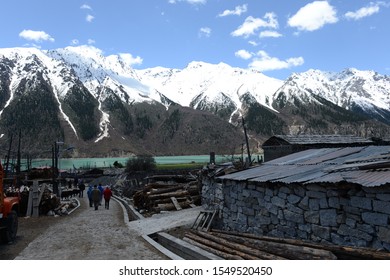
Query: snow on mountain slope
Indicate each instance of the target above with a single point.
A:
(219, 88)
(98, 72)
(93, 68)
(348, 88)
(27, 62)
(213, 82)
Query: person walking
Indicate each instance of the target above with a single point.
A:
(107, 193)
(89, 194)
(101, 189)
(81, 188)
(95, 194)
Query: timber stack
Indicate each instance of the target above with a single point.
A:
(243, 246)
(167, 196)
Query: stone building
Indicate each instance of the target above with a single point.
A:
(337, 196)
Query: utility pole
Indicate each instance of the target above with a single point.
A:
(8, 155)
(18, 161)
(247, 142)
(55, 167)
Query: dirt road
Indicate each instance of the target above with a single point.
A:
(86, 234)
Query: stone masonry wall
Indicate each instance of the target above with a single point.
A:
(349, 215)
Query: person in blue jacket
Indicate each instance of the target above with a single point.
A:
(89, 194)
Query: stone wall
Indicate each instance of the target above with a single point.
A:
(346, 215)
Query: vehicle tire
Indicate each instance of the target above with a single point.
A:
(8, 235)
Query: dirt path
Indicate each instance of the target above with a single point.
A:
(87, 234)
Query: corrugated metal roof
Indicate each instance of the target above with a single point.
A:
(358, 165)
(306, 139)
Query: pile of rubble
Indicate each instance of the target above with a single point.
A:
(52, 205)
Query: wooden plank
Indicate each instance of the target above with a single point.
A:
(174, 201)
(44, 187)
(35, 199)
(29, 203)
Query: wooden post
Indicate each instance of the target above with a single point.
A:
(35, 199)
(247, 142)
(18, 161)
(212, 158)
(8, 155)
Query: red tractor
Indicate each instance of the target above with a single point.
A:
(9, 209)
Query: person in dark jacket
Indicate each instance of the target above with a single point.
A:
(96, 194)
(101, 189)
(107, 193)
(81, 188)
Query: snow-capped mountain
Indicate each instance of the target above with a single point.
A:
(205, 86)
(100, 102)
(365, 92)
(95, 102)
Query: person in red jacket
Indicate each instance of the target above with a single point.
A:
(107, 193)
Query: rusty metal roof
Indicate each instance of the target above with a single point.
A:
(368, 166)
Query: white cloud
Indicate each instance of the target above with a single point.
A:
(130, 59)
(367, 11)
(91, 41)
(86, 7)
(74, 42)
(314, 16)
(37, 36)
(263, 62)
(89, 18)
(253, 43)
(205, 32)
(251, 25)
(237, 11)
(270, 33)
(188, 1)
(243, 54)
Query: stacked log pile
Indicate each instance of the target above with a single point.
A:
(163, 196)
(229, 245)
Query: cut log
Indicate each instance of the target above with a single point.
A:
(218, 246)
(259, 254)
(166, 189)
(341, 252)
(221, 254)
(159, 185)
(285, 250)
(168, 200)
(171, 206)
(168, 194)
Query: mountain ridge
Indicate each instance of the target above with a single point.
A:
(101, 103)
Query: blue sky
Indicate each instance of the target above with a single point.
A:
(277, 37)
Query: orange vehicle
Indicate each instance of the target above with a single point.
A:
(9, 208)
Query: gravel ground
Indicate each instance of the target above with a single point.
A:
(29, 229)
(85, 234)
